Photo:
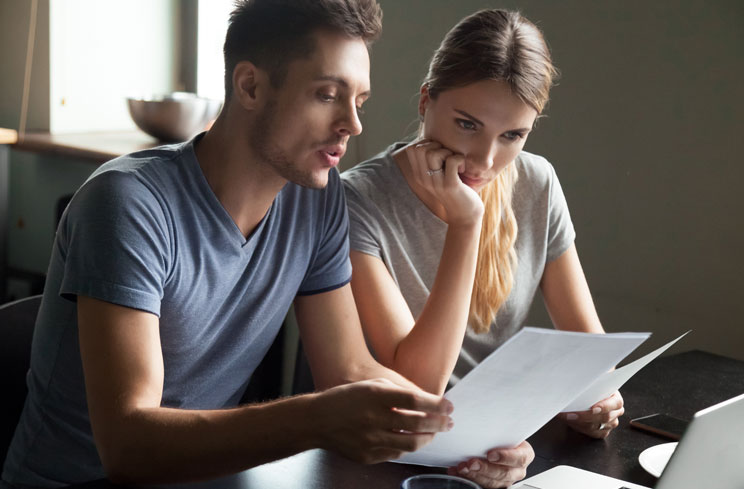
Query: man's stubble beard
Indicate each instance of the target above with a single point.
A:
(272, 155)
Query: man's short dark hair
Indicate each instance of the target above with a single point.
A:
(272, 33)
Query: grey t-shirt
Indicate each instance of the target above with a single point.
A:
(147, 232)
(387, 220)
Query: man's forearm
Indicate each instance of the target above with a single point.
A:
(358, 420)
(164, 445)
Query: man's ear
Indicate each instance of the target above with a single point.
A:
(249, 84)
(423, 100)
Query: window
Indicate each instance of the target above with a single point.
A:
(103, 52)
(212, 26)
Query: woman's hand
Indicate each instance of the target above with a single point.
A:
(501, 468)
(435, 169)
(599, 420)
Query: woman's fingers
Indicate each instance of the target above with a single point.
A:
(600, 419)
(435, 170)
(501, 468)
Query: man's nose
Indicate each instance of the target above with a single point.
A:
(349, 123)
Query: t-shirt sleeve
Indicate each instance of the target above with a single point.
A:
(115, 242)
(561, 233)
(362, 235)
(331, 267)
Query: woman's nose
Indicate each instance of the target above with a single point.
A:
(483, 157)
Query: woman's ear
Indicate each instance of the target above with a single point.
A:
(249, 83)
(423, 101)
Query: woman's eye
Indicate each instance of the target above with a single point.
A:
(466, 124)
(512, 136)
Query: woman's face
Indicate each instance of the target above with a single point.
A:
(483, 121)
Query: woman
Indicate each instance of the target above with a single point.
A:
(453, 233)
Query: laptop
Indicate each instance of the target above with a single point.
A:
(709, 455)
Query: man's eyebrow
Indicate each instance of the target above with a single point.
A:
(342, 82)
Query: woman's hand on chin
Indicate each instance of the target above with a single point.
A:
(436, 169)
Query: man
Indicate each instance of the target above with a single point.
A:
(173, 268)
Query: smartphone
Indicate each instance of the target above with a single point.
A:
(661, 424)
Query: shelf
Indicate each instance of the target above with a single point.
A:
(95, 147)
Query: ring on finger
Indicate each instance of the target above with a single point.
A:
(433, 172)
(603, 426)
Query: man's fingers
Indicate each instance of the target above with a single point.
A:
(416, 401)
(398, 442)
(377, 455)
(417, 422)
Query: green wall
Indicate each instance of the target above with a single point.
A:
(36, 183)
(644, 129)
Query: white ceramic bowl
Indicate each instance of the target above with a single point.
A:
(173, 117)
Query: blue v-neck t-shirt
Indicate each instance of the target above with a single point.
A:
(146, 231)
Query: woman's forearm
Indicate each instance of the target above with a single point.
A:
(427, 355)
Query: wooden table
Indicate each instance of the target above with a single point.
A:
(679, 385)
(93, 147)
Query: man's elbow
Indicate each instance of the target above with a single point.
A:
(124, 460)
(117, 464)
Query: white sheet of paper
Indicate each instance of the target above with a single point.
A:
(611, 381)
(520, 387)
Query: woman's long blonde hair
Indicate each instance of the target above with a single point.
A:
(494, 45)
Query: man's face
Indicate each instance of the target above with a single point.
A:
(303, 128)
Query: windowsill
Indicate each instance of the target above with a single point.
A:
(8, 136)
(94, 147)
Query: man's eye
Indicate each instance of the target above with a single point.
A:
(360, 110)
(466, 124)
(327, 97)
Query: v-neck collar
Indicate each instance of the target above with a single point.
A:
(218, 210)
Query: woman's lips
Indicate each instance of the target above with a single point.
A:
(470, 181)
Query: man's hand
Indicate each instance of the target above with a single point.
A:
(374, 421)
(501, 467)
(599, 420)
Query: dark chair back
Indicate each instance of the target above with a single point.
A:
(16, 331)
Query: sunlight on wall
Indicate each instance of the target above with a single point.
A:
(102, 52)
(213, 18)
